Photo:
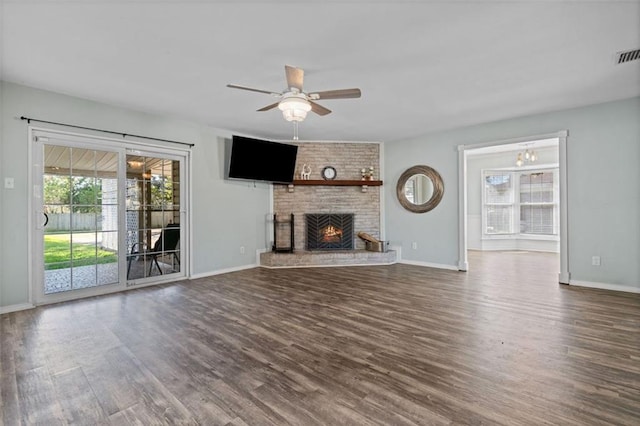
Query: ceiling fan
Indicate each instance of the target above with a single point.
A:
(294, 102)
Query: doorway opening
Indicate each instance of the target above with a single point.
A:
(513, 200)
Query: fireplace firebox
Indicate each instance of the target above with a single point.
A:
(329, 231)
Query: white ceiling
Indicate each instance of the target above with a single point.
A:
(422, 66)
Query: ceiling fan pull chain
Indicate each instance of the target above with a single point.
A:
(295, 130)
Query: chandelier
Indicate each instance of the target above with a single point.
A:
(529, 156)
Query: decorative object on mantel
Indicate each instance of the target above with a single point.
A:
(367, 174)
(305, 174)
(373, 244)
(329, 173)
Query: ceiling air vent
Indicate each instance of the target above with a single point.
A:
(627, 56)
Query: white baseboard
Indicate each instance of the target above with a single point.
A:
(222, 271)
(604, 286)
(345, 265)
(15, 308)
(429, 264)
(399, 258)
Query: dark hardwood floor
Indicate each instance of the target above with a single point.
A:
(394, 345)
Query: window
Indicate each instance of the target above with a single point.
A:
(537, 203)
(520, 203)
(498, 202)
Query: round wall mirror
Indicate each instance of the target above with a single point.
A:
(420, 189)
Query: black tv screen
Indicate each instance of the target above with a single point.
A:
(256, 159)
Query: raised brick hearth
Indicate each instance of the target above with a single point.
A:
(301, 258)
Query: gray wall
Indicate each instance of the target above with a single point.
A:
(603, 188)
(226, 214)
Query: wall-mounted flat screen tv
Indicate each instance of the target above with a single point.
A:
(256, 159)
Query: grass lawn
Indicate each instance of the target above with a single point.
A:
(58, 247)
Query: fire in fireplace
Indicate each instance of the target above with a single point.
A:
(331, 234)
(333, 231)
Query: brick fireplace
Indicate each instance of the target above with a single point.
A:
(348, 159)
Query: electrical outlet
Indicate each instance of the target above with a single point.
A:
(414, 245)
(595, 260)
(9, 183)
(241, 249)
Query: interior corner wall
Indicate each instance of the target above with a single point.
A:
(603, 154)
(225, 214)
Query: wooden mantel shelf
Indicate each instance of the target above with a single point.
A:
(364, 184)
(338, 182)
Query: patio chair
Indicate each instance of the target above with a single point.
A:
(167, 244)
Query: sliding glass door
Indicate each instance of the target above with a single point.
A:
(105, 216)
(80, 211)
(153, 215)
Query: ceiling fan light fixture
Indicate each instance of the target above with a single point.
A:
(294, 108)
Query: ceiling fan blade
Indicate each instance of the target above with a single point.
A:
(235, 86)
(268, 107)
(295, 77)
(336, 94)
(319, 109)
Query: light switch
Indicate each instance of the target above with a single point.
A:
(9, 183)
